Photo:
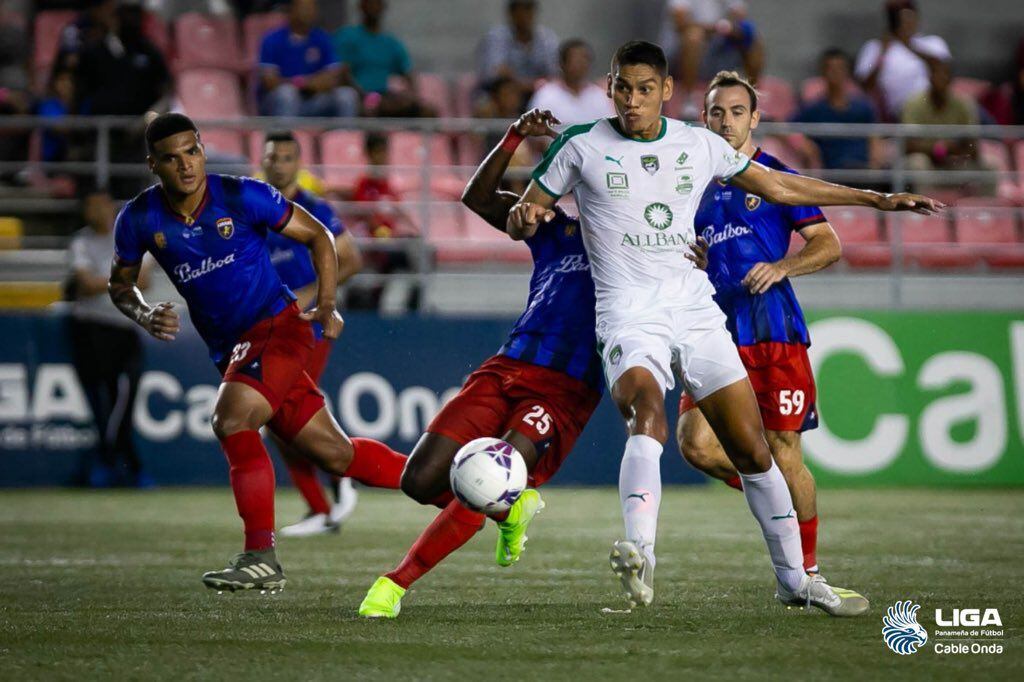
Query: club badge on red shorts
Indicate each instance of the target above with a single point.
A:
(225, 227)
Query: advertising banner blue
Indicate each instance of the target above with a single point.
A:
(387, 378)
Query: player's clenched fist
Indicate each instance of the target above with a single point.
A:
(329, 318)
(535, 123)
(161, 321)
(524, 218)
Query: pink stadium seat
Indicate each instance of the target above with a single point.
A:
(777, 101)
(210, 93)
(992, 233)
(475, 241)
(465, 84)
(920, 229)
(408, 149)
(781, 150)
(433, 89)
(972, 88)
(343, 154)
(996, 155)
(927, 242)
(206, 40)
(155, 28)
(254, 28)
(224, 141)
(858, 230)
(48, 26)
(306, 140)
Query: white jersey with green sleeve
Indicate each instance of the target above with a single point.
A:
(637, 201)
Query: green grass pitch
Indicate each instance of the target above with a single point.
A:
(105, 585)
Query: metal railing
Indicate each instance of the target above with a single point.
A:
(898, 177)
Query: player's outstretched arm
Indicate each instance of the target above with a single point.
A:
(482, 195)
(529, 212)
(304, 228)
(160, 321)
(799, 190)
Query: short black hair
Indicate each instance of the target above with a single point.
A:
(572, 44)
(835, 53)
(641, 52)
(165, 125)
(281, 136)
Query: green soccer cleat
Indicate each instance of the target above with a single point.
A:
(384, 600)
(835, 601)
(248, 571)
(512, 531)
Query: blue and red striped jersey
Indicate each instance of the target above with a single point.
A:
(557, 328)
(743, 230)
(217, 258)
(291, 259)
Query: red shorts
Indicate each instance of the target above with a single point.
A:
(318, 361)
(783, 383)
(504, 394)
(273, 357)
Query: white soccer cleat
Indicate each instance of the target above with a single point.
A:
(347, 496)
(634, 572)
(314, 524)
(814, 591)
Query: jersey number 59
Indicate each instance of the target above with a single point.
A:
(791, 402)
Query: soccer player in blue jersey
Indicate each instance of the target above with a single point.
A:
(208, 232)
(748, 239)
(282, 161)
(537, 393)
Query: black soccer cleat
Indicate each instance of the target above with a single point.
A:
(248, 571)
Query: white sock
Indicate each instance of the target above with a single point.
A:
(640, 491)
(769, 500)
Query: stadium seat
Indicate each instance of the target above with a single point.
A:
(858, 230)
(155, 28)
(48, 27)
(210, 93)
(306, 140)
(203, 40)
(343, 155)
(992, 233)
(225, 141)
(432, 89)
(781, 150)
(471, 240)
(254, 27)
(972, 88)
(996, 155)
(927, 241)
(777, 101)
(465, 85)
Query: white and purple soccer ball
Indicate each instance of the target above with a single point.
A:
(488, 475)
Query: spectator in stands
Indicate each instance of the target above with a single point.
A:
(939, 105)
(895, 67)
(504, 99)
(58, 103)
(105, 347)
(703, 37)
(370, 57)
(519, 49)
(15, 95)
(299, 72)
(574, 98)
(96, 23)
(842, 103)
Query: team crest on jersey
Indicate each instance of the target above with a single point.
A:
(160, 239)
(225, 227)
(615, 355)
(650, 163)
(684, 184)
(752, 202)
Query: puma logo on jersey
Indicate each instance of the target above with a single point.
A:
(617, 162)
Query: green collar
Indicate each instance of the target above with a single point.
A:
(614, 121)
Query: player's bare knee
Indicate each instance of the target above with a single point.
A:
(416, 483)
(697, 451)
(226, 422)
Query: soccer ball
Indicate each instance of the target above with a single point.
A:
(488, 475)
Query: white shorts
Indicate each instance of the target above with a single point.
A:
(691, 343)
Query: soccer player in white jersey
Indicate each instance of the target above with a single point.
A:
(637, 179)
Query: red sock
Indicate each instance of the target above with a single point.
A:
(449, 530)
(734, 482)
(375, 464)
(252, 481)
(442, 500)
(305, 478)
(809, 541)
